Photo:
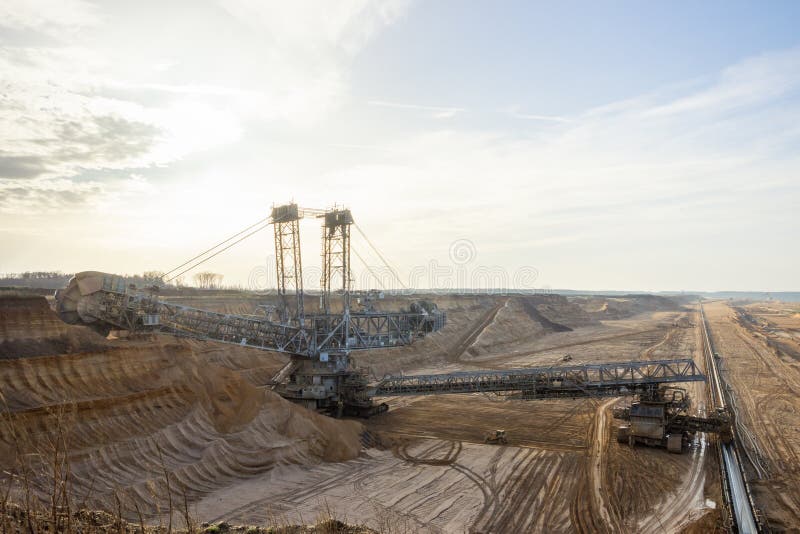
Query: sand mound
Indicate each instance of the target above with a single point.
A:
(29, 328)
(556, 312)
(478, 325)
(129, 410)
(614, 308)
(512, 323)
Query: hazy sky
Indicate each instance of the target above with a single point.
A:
(607, 145)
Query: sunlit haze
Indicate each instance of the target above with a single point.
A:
(618, 146)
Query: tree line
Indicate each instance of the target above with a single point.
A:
(58, 279)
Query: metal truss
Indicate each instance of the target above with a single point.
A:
(238, 329)
(288, 263)
(607, 379)
(321, 333)
(334, 332)
(336, 257)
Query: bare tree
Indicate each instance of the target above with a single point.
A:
(153, 278)
(207, 279)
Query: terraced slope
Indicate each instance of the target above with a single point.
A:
(126, 412)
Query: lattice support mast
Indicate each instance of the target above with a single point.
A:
(288, 262)
(336, 273)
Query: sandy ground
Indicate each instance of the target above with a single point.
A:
(758, 346)
(246, 456)
(562, 471)
(126, 411)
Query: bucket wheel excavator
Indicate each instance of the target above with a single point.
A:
(320, 374)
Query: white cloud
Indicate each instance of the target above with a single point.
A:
(548, 118)
(303, 51)
(97, 124)
(66, 109)
(317, 27)
(437, 112)
(55, 18)
(514, 111)
(50, 120)
(749, 82)
(612, 177)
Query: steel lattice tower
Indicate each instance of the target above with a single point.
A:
(336, 258)
(286, 222)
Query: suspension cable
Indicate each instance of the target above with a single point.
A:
(218, 252)
(212, 248)
(383, 259)
(380, 282)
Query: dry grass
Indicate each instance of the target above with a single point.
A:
(17, 518)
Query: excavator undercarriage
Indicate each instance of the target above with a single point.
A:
(661, 419)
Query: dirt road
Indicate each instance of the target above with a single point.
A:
(597, 472)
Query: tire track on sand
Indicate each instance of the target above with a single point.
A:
(596, 467)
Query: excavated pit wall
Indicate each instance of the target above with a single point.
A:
(125, 412)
